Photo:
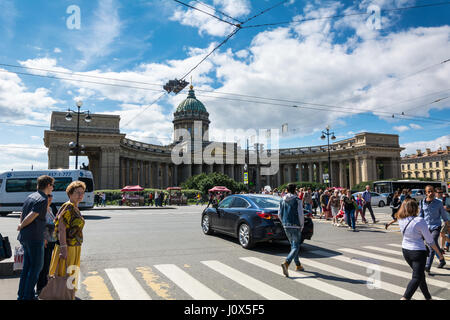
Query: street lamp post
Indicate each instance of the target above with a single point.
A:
(328, 134)
(75, 147)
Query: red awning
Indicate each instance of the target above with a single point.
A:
(219, 189)
(132, 188)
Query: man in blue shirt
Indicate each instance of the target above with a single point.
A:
(432, 211)
(31, 236)
(367, 197)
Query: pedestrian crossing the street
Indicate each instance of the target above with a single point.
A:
(341, 274)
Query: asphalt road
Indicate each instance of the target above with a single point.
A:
(163, 254)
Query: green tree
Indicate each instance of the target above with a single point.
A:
(204, 182)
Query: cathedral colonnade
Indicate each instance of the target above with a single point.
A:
(117, 161)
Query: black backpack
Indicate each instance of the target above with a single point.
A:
(5, 248)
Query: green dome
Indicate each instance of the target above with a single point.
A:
(191, 104)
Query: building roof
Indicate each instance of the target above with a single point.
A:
(191, 104)
(428, 153)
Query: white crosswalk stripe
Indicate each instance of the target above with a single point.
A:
(395, 245)
(395, 272)
(356, 276)
(187, 283)
(308, 281)
(126, 286)
(387, 259)
(250, 283)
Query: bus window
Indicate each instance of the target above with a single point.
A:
(61, 184)
(21, 185)
(89, 184)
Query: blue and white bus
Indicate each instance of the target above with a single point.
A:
(15, 186)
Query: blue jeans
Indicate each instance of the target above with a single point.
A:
(350, 218)
(308, 207)
(33, 261)
(435, 234)
(294, 236)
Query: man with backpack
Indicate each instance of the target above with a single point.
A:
(293, 220)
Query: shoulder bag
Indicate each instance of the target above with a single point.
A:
(58, 288)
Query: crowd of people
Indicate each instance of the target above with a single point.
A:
(52, 239)
(335, 204)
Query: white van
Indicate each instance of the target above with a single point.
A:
(15, 186)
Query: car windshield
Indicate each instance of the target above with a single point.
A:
(266, 202)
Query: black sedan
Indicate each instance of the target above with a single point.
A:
(251, 218)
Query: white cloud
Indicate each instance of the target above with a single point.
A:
(210, 25)
(57, 50)
(411, 147)
(23, 156)
(18, 102)
(96, 39)
(415, 126)
(400, 128)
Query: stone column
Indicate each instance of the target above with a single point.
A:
(232, 171)
(374, 168)
(109, 168)
(341, 174)
(320, 172)
(358, 171)
(187, 172)
(278, 179)
(310, 171)
(351, 176)
(175, 175)
(165, 175)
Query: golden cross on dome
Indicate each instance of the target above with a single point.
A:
(191, 86)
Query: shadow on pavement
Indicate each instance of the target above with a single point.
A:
(92, 217)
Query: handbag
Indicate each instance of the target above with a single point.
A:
(5, 248)
(18, 258)
(58, 288)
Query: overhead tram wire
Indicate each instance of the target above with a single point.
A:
(199, 90)
(345, 15)
(222, 13)
(252, 101)
(207, 13)
(264, 11)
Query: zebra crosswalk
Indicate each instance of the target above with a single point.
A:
(338, 274)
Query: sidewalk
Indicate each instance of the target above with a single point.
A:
(110, 207)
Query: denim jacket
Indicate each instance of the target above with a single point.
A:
(291, 212)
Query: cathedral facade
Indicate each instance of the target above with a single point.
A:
(117, 161)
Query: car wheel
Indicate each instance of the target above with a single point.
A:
(245, 236)
(381, 204)
(206, 225)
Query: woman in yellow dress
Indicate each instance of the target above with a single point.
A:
(69, 231)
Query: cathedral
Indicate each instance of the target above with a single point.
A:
(117, 161)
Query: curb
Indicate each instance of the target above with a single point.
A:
(6, 268)
(128, 208)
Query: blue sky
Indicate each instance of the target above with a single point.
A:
(362, 71)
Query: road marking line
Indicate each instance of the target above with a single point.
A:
(188, 284)
(383, 285)
(126, 286)
(308, 281)
(248, 282)
(395, 245)
(97, 289)
(388, 259)
(153, 281)
(395, 272)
